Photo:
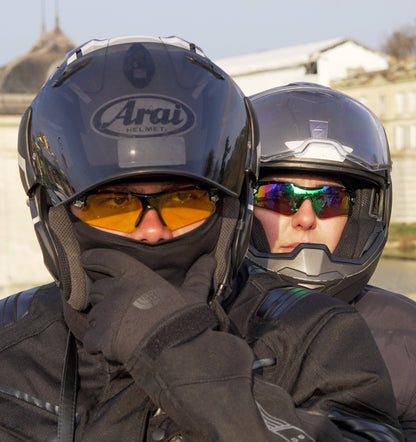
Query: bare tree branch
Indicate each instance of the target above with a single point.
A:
(401, 43)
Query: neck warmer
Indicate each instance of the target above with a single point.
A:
(170, 259)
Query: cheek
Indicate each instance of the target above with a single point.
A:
(273, 224)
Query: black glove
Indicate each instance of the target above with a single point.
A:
(134, 307)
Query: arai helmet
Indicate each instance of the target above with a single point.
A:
(136, 107)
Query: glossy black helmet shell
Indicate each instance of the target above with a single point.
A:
(136, 106)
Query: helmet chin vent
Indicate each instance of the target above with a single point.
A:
(318, 287)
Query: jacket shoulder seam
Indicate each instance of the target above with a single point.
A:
(16, 307)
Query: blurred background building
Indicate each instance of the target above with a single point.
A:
(391, 94)
(318, 62)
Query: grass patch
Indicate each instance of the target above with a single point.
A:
(402, 237)
(397, 231)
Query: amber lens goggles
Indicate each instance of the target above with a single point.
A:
(124, 211)
(286, 198)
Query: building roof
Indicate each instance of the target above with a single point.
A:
(279, 58)
(26, 74)
(398, 71)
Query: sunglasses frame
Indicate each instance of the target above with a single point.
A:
(308, 193)
(147, 200)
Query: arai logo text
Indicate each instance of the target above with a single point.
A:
(143, 116)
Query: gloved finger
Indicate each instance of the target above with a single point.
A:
(116, 274)
(93, 338)
(102, 263)
(101, 289)
(199, 276)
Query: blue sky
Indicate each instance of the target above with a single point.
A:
(223, 28)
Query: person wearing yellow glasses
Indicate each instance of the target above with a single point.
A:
(178, 207)
(138, 156)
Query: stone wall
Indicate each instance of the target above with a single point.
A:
(404, 189)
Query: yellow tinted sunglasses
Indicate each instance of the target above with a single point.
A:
(124, 211)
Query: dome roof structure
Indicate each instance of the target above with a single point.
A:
(26, 74)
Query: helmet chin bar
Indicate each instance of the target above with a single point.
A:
(314, 267)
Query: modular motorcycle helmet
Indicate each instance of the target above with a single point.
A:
(136, 107)
(312, 129)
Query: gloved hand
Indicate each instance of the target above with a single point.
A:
(134, 307)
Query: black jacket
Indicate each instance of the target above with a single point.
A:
(392, 320)
(294, 373)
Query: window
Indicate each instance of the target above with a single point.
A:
(399, 96)
(381, 104)
(412, 141)
(411, 96)
(399, 138)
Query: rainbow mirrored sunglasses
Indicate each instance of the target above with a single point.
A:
(286, 198)
(123, 211)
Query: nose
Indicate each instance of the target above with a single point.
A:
(151, 229)
(305, 218)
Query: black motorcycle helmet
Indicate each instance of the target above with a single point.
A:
(135, 107)
(308, 128)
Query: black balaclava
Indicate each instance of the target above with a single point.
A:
(170, 259)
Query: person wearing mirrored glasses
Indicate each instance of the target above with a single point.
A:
(322, 211)
(138, 156)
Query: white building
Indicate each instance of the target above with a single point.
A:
(391, 95)
(319, 62)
